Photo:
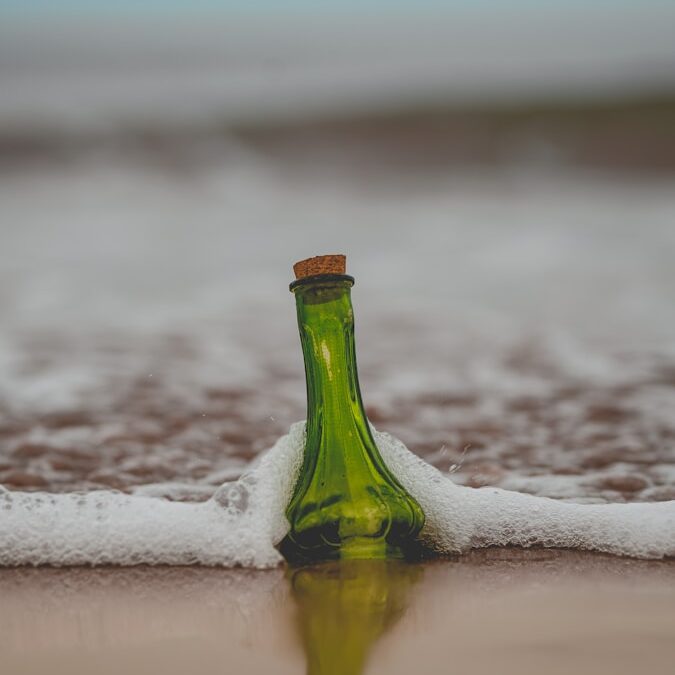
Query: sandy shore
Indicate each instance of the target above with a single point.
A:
(494, 610)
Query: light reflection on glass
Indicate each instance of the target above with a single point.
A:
(344, 607)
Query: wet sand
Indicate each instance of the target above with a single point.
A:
(489, 611)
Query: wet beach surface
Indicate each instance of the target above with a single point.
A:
(599, 442)
(531, 611)
(602, 442)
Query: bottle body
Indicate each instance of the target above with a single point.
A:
(346, 503)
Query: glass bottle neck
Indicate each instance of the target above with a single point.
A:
(326, 323)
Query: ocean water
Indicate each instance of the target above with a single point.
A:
(514, 330)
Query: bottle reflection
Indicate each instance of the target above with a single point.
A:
(345, 606)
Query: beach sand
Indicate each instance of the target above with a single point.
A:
(497, 610)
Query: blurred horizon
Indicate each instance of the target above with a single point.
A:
(447, 82)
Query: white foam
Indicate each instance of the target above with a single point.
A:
(237, 526)
(244, 519)
(459, 518)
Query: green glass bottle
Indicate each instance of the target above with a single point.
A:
(346, 503)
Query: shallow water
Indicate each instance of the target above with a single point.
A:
(514, 328)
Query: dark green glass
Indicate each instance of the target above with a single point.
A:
(346, 503)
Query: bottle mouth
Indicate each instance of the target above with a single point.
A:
(320, 279)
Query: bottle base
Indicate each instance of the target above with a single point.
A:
(356, 548)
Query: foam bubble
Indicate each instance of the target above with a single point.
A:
(244, 519)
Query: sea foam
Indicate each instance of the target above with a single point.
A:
(244, 519)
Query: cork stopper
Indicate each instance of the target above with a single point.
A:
(320, 264)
